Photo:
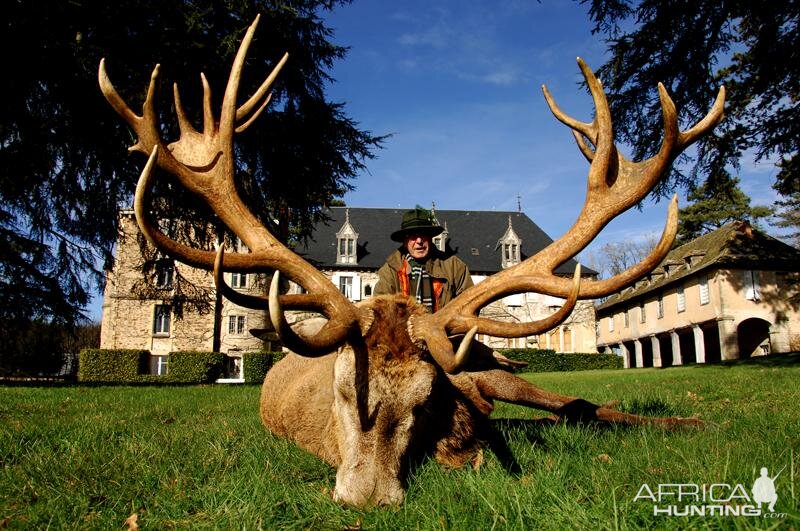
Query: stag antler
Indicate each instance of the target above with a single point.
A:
(203, 162)
(615, 185)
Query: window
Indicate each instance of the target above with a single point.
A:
(510, 253)
(611, 323)
(159, 365)
(704, 298)
(161, 319)
(367, 290)
(238, 280)
(752, 291)
(236, 325)
(164, 272)
(660, 306)
(346, 286)
(346, 251)
(232, 367)
(642, 314)
(681, 300)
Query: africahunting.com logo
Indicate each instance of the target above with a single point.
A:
(715, 499)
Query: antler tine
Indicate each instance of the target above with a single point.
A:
(204, 164)
(614, 185)
(259, 94)
(113, 97)
(229, 112)
(711, 120)
(333, 332)
(298, 301)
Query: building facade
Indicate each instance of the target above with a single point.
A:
(732, 293)
(140, 310)
(349, 248)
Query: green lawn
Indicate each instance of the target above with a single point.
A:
(180, 457)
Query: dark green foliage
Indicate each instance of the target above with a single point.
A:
(64, 166)
(692, 48)
(716, 202)
(39, 348)
(194, 367)
(277, 356)
(546, 360)
(788, 217)
(256, 365)
(113, 366)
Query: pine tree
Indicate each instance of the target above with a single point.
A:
(693, 47)
(64, 169)
(718, 201)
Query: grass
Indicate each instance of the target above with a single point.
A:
(181, 457)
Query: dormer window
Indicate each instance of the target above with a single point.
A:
(510, 253)
(441, 240)
(346, 242)
(694, 257)
(510, 247)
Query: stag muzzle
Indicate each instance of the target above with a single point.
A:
(367, 486)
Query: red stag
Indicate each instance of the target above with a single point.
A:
(376, 384)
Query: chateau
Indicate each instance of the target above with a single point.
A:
(349, 248)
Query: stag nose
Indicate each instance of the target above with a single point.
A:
(368, 492)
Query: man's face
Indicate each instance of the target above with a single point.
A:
(418, 245)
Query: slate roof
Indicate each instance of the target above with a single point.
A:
(735, 245)
(473, 237)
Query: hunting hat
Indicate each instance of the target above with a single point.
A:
(418, 221)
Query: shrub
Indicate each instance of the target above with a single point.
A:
(112, 366)
(256, 365)
(546, 360)
(133, 367)
(277, 356)
(193, 367)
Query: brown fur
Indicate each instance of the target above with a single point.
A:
(376, 405)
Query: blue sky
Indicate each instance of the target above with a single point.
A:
(458, 85)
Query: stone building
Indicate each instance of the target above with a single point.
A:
(732, 293)
(137, 316)
(349, 248)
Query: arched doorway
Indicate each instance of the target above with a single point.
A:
(753, 337)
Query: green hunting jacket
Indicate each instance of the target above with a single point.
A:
(451, 273)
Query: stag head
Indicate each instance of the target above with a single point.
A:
(379, 382)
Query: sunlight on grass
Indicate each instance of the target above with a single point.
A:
(89, 457)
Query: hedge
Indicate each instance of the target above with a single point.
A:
(133, 366)
(546, 360)
(106, 365)
(256, 364)
(185, 367)
(194, 367)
